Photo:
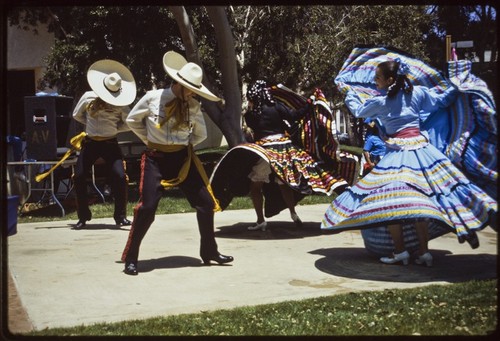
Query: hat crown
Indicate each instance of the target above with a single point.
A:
(187, 74)
(192, 74)
(113, 82)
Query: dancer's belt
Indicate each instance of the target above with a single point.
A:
(407, 133)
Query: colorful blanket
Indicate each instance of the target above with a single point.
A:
(316, 133)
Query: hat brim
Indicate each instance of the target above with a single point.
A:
(102, 68)
(172, 63)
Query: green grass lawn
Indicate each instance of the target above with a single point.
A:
(173, 201)
(468, 308)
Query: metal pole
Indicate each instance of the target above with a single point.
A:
(448, 47)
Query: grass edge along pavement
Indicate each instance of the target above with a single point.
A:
(173, 201)
(460, 309)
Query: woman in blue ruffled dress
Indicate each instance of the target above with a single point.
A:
(414, 182)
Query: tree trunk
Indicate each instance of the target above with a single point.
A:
(231, 116)
(228, 117)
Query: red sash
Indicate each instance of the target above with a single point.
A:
(407, 133)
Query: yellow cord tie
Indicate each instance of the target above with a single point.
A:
(76, 143)
(184, 172)
(174, 106)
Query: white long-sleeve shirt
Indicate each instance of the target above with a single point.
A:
(105, 122)
(149, 112)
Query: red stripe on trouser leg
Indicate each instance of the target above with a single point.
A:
(129, 240)
(136, 209)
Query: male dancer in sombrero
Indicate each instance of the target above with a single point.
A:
(103, 111)
(170, 122)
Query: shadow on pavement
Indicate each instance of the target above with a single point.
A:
(274, 230)
(171, 262)
(360, 264)
(90, 226)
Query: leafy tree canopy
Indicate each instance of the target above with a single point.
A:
(305, 46)
(302, 47)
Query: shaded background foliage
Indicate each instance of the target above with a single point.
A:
(295, 45)
(301, 46)
(87, 34)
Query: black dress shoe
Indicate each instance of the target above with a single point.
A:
(221, 259)
(130, 268)
(80, 225)
(123, 222)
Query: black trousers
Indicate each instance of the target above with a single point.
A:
(112, 155)
(157, 166)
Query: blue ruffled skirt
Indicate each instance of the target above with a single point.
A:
(414, 181)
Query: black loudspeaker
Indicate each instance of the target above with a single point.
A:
(47, 120)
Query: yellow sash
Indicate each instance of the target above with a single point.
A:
(76, 143)
(166, 148)
(184, 172)
(101, 138)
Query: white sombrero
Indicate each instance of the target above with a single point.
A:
(187, 74)
(112, 82)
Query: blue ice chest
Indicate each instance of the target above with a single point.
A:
(12, 204)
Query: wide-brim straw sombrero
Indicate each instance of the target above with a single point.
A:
(112, 82)
(187, 74)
